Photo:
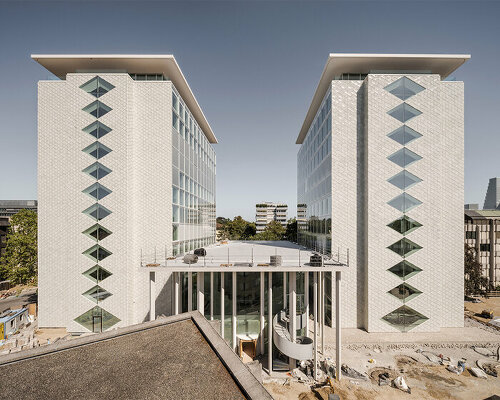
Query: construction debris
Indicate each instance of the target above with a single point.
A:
(478, 372)
(352, 373)
(400, 383)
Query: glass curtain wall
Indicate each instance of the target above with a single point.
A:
(193, 181)
(314, 184)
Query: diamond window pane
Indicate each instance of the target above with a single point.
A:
(405, 269)
(404, 318)
(404, 292)
(404, 202)
(97, 129)
(404, 135)
(97, 253)
(404, 88)
(97, 109)
(404, 112)
(97, 212)
(404, 247)
(404, 225)
(97, 191)
(97, 170)
(97, 150)
(404, 157)
(96, 294)
(97, 319)
(97, 232)
(97, 86)
(97, 273)
(404, 180)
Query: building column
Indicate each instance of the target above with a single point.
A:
(284, 291)
(176, 293)
(315, 343)
(492, 254)
(190, 291)
(152, 295)
(270, 323)
(200, 286)
(338, 338)
(322, 314)
(292, 282)
(262, 313)
(233, 325)
(222, 304)
(211, 296)
(306, 300)
(332, 290)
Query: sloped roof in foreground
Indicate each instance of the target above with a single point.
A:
(171, 358)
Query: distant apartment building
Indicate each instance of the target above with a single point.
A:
(380, 173)
(492, 198)
(471, 206)
(8, 208)
(126, 173)
(267, 212)
(482, 232)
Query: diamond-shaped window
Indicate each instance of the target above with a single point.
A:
(97, 170)
(97, 273)
(405, 269)
(404, 225)
(404, 318)
(404, 88)
(97, 253)
(97, 319)
(404, 112)
(97, 150)
(404, 157)
(404, 292)
(97, 232)
(97, 109)
(97, 212)
(404, 202)
(404, 247)
(404, 180)
(404, 135)
(97, 294)
(97, 191)
(97, 86)
(97, 129)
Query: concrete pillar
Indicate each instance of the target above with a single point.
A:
(176, 293)
(211, 296)
(284, 291)
(222, 304)
(234, 321)
(262, 313)
(332, 291)
(322, 314)
(152, 295)
(338, 338)
(306, 300)
(293, 311)
(190, 291)
(315, 324)
(200, 286)
(492, 254)
(270, 323)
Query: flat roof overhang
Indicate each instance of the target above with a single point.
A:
(338, 63)
(62, 64)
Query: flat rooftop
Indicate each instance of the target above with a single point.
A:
(179, 357)
(62, 64)
(339, 63)
(251, 256)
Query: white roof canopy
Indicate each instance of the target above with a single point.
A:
(337, 64)
(62, 64)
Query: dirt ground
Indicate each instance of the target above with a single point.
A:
(492, 304)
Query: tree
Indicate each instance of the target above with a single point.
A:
(291, 230)
(274, 231)
(19, 263)
(474, 281)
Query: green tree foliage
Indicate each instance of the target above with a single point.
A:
(19, 263)
(475, 282)
(291, 230)
(274, 231)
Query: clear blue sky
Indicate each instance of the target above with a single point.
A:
(253, 67)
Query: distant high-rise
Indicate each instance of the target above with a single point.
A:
(471, 206)
(267, 212)
(492, 199)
